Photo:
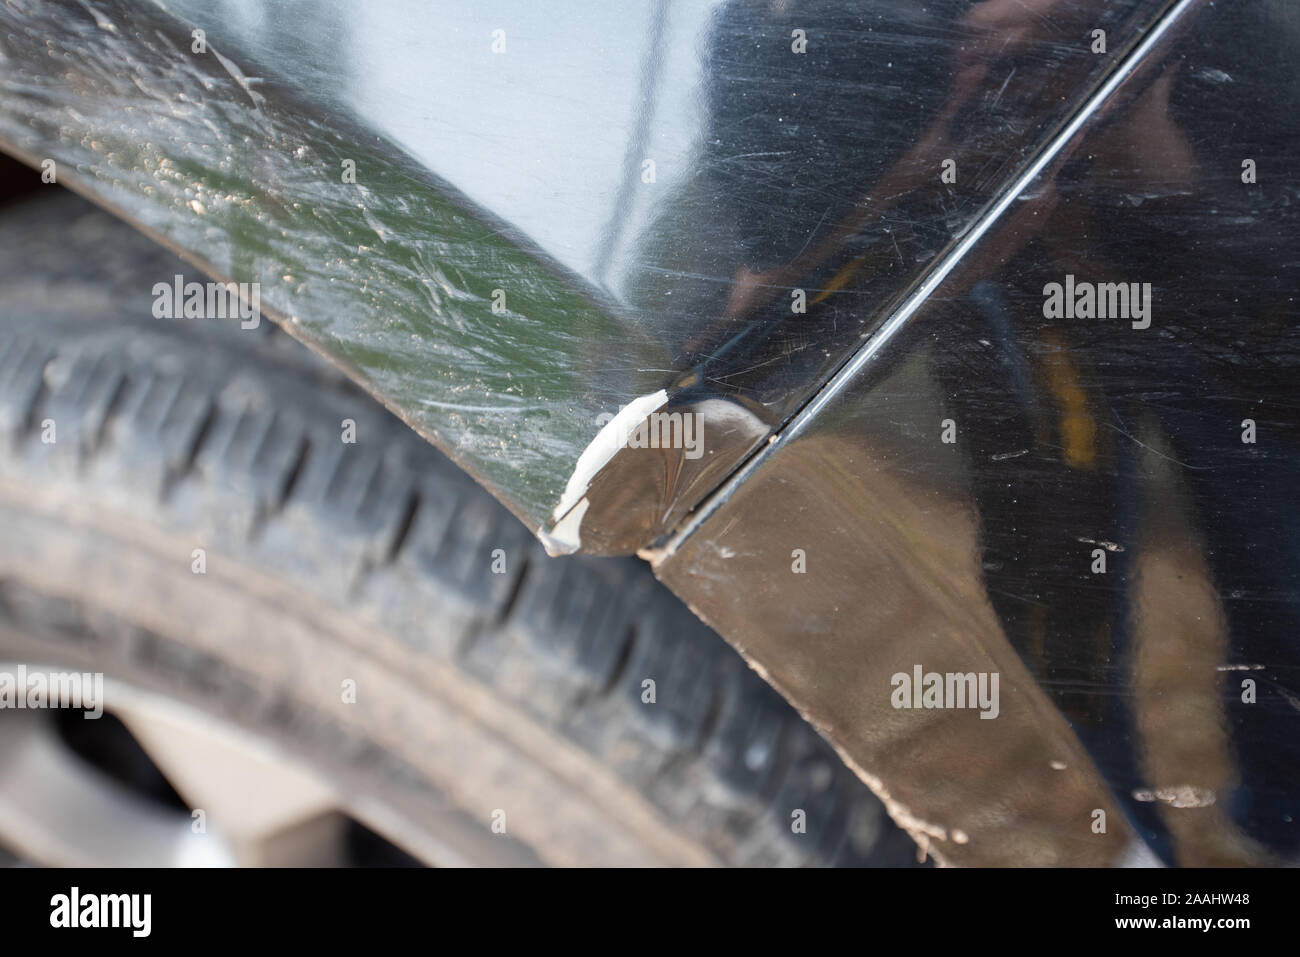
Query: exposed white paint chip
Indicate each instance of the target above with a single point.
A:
(564, 538)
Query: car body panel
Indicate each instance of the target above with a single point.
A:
(509, 276)
(1099, 509)
(506, 273)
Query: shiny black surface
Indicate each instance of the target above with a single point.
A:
(503, 146)
(1170, 450)
(820, 171)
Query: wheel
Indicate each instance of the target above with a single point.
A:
(306, 639)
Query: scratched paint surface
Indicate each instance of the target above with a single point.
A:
(392, 275)
(775, 167)
(821, 171)
(1098, 506)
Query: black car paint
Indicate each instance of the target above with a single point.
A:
(819, 171)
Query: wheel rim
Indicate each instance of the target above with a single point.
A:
(247, 801)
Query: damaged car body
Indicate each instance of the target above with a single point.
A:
(793, 310)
